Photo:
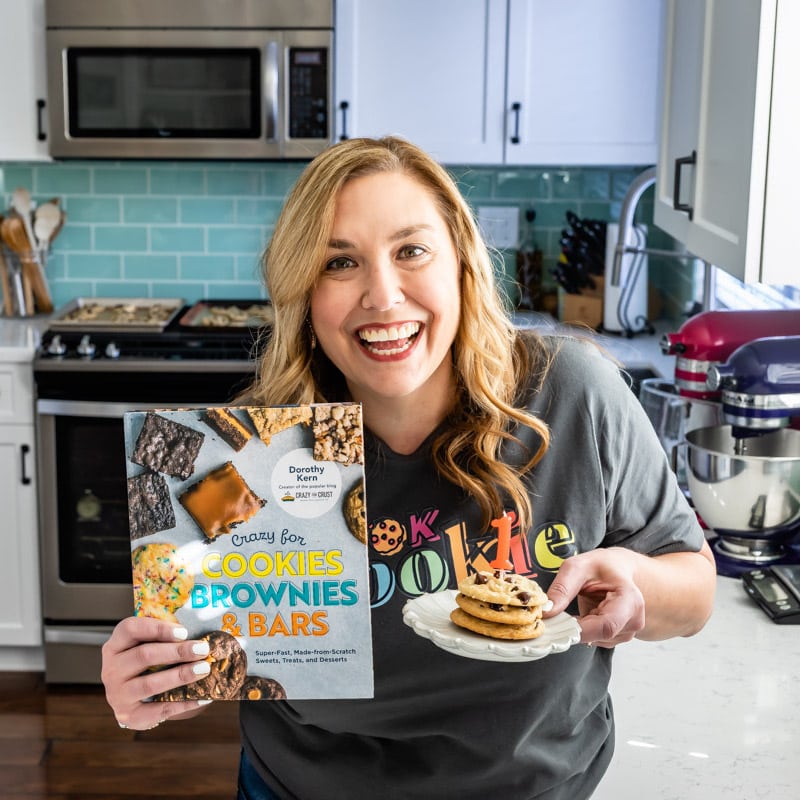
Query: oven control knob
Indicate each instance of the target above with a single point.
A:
(86, 347)
(56, 346)
(112, 351)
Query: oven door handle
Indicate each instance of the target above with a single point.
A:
(88, 408)
(85, 636)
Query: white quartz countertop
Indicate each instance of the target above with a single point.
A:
(19, 338)
(641, 350)
(711, 717)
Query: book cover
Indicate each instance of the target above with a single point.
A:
(248, 527)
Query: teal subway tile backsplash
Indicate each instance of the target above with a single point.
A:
(235, 239)
(74, 238)
(120, 238)
(177, 239)
(92, 208)
(150, 267)
(117, 181)
(92, 266)
(209, 268)
(208, 210)
(177, 180)
(149, 209)
(197, 229)
(237, 183)
(57, 179)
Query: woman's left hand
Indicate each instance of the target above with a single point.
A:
(623, 594)
(610, 604)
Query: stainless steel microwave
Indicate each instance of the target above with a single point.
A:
(189, 79)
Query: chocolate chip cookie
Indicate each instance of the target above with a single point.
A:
(228, 670)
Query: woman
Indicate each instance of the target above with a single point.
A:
(384, 293)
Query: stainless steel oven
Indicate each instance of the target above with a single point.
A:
(81, 399)
(189, 78)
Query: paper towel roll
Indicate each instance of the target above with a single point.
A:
(625, 306)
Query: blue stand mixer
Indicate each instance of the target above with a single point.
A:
(744, 476)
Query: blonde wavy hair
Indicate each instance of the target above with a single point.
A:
(491, 359)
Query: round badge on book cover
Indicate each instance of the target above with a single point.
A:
(306, 488)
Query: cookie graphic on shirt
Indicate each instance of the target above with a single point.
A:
(387, 536)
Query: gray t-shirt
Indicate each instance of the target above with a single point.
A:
(441, 725)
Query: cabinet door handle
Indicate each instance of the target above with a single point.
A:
(24, 450)
(343, 106)
(516, 108)
(40, 134)
(676, 189)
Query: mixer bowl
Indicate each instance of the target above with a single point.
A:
(753, 494)
(673, 416)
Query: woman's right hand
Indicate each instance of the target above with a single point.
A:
(137, 645)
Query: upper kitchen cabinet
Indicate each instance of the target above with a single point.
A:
(23, 88)
(583, 78)
(503, 81)
(432, 72)
(728, 162)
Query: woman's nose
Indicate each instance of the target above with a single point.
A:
(382, 289)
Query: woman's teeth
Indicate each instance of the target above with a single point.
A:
(389, 341)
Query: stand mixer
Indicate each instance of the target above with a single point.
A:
(701, 343)
(707, 339)
(744, 476)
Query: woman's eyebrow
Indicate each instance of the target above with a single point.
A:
(410, 231)
(402, 233)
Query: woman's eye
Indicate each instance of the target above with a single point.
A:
(339, 263)
(411, 251)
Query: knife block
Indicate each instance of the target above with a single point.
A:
(584, 309)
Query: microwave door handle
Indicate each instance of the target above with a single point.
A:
(271, 84)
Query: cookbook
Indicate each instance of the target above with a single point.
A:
(248, 527)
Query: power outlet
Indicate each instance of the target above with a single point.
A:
(499, 225)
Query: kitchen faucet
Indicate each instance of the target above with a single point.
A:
(643, 181)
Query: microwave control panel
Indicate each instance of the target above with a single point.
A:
(308, 93)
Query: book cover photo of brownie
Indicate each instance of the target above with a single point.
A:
(246, 527)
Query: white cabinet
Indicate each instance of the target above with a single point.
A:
(587, 78)
(23, 85)
(728, 163)
(426, 71)
(20, 608)
(503, 81)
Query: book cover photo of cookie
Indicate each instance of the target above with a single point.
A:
(247, 527)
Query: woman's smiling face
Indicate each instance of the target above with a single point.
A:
(386, 307)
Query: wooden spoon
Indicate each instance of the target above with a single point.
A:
(47, 222)
(8, 304)
(12, 231)
(35, 289)
(21, 203)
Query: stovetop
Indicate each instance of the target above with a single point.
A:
(84, 347)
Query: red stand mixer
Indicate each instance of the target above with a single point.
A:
(702, 342)
(744, 476)
(709, 338)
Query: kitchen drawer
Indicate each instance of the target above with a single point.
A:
(16, 393)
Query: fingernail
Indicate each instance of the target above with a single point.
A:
(200, 648)
(204, 702)
(201, 668)
(180, 632)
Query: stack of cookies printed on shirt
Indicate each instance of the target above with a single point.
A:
(501, 605)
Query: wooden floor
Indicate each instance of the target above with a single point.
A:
(62, 743)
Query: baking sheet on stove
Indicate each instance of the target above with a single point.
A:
(211, 314)
(117, 314)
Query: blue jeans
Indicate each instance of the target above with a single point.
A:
(251, 784)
